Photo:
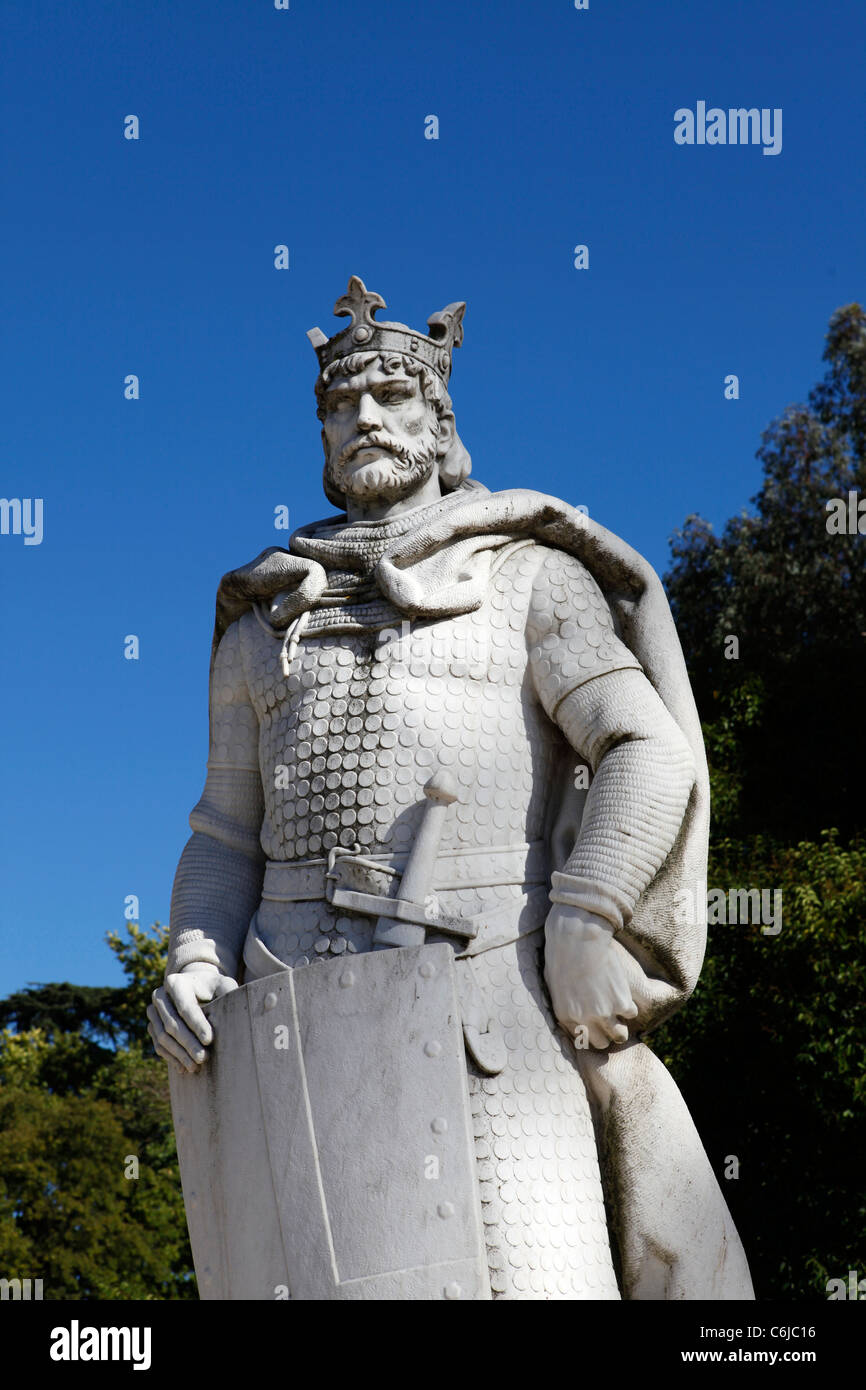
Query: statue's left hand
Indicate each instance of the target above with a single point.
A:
(177, 1024)
(585, 976)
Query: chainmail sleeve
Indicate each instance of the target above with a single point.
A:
(592, 686)
(218, 882)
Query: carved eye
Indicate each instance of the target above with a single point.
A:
(392, 395)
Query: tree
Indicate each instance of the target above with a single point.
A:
(782, 720)
(769, 1054)
(90, 1197)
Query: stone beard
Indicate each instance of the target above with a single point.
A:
(395, 476)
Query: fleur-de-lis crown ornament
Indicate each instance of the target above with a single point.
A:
(366, 334)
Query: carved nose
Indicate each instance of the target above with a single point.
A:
(368, 413)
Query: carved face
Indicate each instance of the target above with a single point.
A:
(381, 436)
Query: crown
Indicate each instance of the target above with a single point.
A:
(364, 334)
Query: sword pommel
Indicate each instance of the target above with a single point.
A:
(442, 788)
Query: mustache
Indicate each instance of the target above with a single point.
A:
(374, 441)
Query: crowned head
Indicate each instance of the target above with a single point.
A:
(382, 397)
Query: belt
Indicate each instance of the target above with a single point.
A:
(481, 866)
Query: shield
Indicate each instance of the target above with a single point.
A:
(325, 1146)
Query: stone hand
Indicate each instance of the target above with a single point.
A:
(177, 1025)
(585, 976)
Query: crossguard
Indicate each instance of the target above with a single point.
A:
(424, 916)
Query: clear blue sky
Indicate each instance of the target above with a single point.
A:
(306, 127)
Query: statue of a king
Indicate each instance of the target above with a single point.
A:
(450, 715)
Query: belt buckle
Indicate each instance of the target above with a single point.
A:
(351, 871)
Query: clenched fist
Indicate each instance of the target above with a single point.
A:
(585, 976)
(177, 1024)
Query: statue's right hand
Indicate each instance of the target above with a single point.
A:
(585, 976)
(176, 1022)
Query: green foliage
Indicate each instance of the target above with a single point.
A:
(740, 709)
(769, 1055)
(143, 957)
(89, 1010)
(80, 1095)
(769, 1052)
(781, 720)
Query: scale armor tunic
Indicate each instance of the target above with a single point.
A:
(330, 745)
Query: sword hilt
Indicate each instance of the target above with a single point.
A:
(415, 884)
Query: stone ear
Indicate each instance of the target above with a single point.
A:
(455, 464)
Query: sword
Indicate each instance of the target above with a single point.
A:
(417, 877)
(481, 1036)
(405, 919)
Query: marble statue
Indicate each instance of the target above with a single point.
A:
(456, 782)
